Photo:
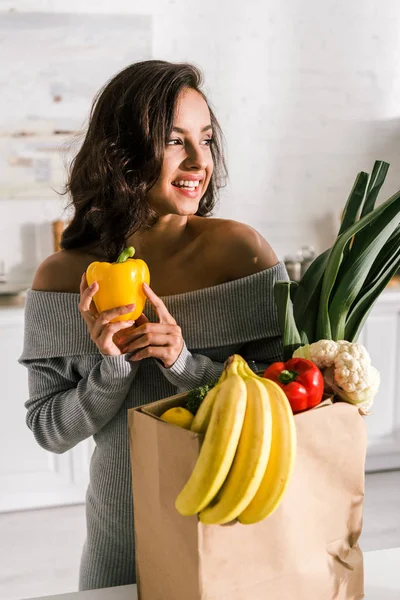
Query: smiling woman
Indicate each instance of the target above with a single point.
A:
(188, 165)
(147, 176)
(141, 124)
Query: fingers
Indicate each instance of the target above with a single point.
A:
(86, 305)
(159, 306)
(141, 320)
(151, 328)
(120, 336)
(83, 284)
(105, 340)
(102, 330)
(149, 339)
(104, 319)
(162, 340)
(156, 340)
(166, 354)
(87, 293)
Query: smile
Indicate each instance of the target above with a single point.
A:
(188, 185)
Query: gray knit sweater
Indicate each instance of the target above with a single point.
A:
(75, 392)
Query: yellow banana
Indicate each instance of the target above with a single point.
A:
(219, 446)
(202, 416)
(250, 460)
(281, 459)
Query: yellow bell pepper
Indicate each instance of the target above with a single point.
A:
(120, 283)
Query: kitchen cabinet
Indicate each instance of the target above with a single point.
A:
(31, 477)
(381, 336)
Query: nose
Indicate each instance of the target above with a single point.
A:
(195, 158)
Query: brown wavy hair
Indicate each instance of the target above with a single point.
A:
(122, 153)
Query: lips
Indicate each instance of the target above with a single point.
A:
(188, 191)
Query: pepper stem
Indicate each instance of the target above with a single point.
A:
(125, 254)
(287, 376)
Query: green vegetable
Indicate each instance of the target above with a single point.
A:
(196, 397)
(339, 289)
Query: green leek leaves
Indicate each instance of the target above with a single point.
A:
(338, 290)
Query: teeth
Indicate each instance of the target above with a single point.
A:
(186, 183)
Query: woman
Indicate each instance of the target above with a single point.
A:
(147, 176)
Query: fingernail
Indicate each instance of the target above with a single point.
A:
(131, 306)
(147, 287)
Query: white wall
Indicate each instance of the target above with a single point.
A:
(307, 92)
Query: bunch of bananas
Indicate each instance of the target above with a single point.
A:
(247, 456)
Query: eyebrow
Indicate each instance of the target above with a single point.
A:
(180, 130)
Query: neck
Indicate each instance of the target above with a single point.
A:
(167, 237)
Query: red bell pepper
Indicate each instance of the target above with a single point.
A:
(300, 379)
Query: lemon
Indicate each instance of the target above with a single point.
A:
(178, 416)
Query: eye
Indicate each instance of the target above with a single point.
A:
(208, 142)
(174, 142)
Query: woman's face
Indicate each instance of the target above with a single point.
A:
(187, 165)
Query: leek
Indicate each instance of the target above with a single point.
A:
(291, 338)
(340, 287)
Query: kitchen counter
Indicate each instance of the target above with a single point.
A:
(14, 288)
(382, 581)
(12, 296)
(12, 300)
(11, 308)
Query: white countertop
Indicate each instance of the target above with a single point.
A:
(382, 581)
(14, 288)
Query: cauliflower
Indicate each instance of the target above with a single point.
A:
(321, 353)
(363, 399)
(347, 369)
(352, 365)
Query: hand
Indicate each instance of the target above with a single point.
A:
(162, 340)
(102, 331)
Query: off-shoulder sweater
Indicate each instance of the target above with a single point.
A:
(76, 392)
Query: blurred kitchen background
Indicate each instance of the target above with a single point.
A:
(307, 93)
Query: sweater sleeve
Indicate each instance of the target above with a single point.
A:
(190, 371)
(74, 391)
(65, 408)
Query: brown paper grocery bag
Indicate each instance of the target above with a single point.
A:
(306, 550)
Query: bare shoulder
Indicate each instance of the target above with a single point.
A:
(61, 272)
(241, 249)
